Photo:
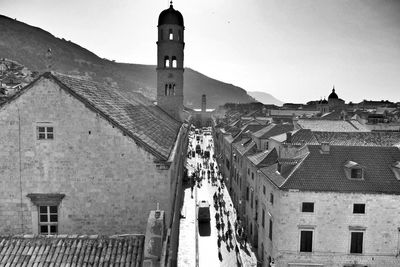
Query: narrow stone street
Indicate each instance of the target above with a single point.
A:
(210, 243)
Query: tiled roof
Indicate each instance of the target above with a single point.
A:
(252, 127)
(332, 125)
(271, 173)
(292, 112)
(273, 129)
(138, 117)
(63, 250)
(358, 138)
(326, 171)
(244, 145)
(264, 158)
(303, 136)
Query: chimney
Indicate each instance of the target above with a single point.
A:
(325, 147)
(289, 137)
(295, 122)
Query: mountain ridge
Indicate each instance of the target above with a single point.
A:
(28, 45)
(265, 98)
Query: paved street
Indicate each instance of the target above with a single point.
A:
(214, 247)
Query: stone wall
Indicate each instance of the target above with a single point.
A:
(110, 182)
(332, 221)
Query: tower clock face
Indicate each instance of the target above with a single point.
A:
(170, 75)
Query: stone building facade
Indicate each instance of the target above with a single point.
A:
(79, 158)
(332, 206)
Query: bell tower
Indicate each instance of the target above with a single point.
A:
(170, 68)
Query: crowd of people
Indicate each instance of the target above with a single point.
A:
(206, 170)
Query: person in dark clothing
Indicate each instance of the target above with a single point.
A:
(216, 216)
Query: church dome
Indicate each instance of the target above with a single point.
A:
(170, 16)
(333, 95)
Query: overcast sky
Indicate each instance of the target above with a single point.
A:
(295, 50)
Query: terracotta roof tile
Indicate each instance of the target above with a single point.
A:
(264, 158)
(273, 129)
(332, 125)
(65, 250)
(325, 171)
(271, 174)
(244, 145)
(143, 120)
(359, 138)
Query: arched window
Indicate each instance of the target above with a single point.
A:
(166, 89)
(166, 62)
(174, 64)
(170, 89)
(171, 35)
(173, 89)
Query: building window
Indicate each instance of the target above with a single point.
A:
(359, 208)
(356, 245)
(174, 64)
(48, 220)
(45, 132)
(48, 209)
(262, 252)
(264, 190)
(247, 193)
(307, 207)
(356, 173)
(166, 62)
(271, 198)
(270, 229)
(252, 176)
(252, 198)
(171, 35)
(306, 237)
(263, 218)
(248, 171)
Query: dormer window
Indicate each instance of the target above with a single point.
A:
(354, 170)
(396, 169)
(356, 173)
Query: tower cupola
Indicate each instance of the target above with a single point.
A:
(170, 16)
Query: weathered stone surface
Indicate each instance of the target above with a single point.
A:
(110, 183)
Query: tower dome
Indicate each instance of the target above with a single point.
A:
(333, 95)
(170, 16)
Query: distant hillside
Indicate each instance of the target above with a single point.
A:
(265, 98)
(28, 45)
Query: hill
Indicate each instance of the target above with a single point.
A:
(28, 45)
(265, 98)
